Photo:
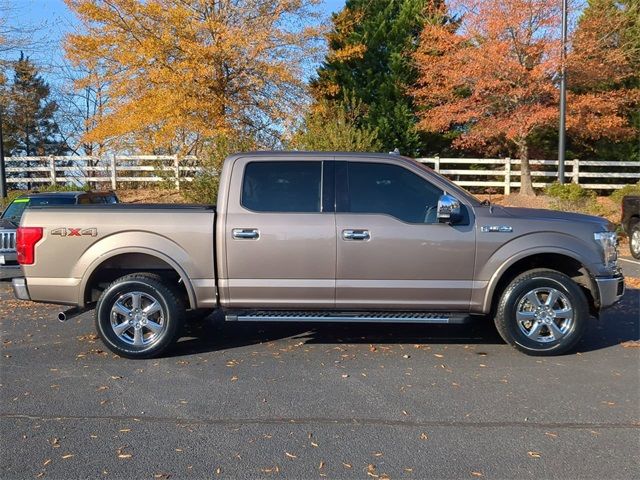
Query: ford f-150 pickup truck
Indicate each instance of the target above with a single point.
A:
(314, 237)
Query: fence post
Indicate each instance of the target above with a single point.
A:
(436, 164)
(176, 168)
(114, 176)
(52, 169)
(576, 171)
(507, 176)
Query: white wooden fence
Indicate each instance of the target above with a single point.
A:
(123, 171)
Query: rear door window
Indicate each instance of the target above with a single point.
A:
(293, 187)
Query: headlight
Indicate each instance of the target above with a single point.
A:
(609, 243)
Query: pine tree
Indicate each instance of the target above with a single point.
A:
(369, 62)
(31, 128)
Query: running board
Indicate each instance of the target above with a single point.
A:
(349, 317)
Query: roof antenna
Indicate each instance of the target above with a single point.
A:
(396, 151)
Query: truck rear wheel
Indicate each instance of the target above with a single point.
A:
(542, 312)
(139, 316)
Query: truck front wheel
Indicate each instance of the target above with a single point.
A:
(139, 316)
(542, 312)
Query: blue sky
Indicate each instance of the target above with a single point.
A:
(52, 19)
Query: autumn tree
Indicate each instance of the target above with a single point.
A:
(603, 69)
(492, 79)
(369, 61)
(180, 73)
(491, 76)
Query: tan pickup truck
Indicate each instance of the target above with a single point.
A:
(322, 237)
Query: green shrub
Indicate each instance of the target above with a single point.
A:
(62, 188)
(571, 192)
(203, 188)
(624, 191)
(571, 197)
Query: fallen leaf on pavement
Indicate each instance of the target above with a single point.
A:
(534, 454)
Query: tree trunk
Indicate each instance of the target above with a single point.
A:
(526, 186)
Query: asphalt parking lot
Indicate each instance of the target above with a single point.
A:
(313, 401)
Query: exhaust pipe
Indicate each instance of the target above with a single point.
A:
(70, 313)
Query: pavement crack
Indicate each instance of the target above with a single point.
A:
(325, 421)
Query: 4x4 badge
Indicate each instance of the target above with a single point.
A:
(75, 232)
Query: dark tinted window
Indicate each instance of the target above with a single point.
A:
(98, 199)
(282, 186)
(111, 199)
(392, 190)
(34, 201)
(15, 210)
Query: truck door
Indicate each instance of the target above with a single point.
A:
(392, 252)
(280, 234)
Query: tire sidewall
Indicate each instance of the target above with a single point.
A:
(103, 319)
(514, 295)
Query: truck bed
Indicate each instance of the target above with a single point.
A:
(81, 242)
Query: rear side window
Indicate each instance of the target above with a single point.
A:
(43, 201)
(15, 210)
(392, 190)
(282, 187)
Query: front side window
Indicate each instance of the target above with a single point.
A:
(391, 190)
(282, 187)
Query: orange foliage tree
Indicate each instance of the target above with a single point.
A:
(491, 76)
(603, 69)
(181, 72)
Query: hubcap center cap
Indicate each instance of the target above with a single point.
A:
(545, 314)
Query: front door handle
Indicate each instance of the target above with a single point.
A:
(356, 234)
(246, 233)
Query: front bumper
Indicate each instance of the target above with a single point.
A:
(610, 290)
(20, 288)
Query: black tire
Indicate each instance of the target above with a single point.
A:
(169, 317)
(514, 299)
(634, 237)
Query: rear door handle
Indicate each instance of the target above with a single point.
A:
(356, 234)
(246, 233)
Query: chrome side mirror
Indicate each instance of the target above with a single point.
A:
(449, 210)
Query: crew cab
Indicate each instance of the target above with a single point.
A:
(322, 237)
(12, 215)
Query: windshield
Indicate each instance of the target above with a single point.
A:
(15, 210)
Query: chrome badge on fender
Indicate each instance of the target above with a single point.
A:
(75, 232)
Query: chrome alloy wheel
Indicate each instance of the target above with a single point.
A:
(545, 315)
(635, 240)
(137, 319)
